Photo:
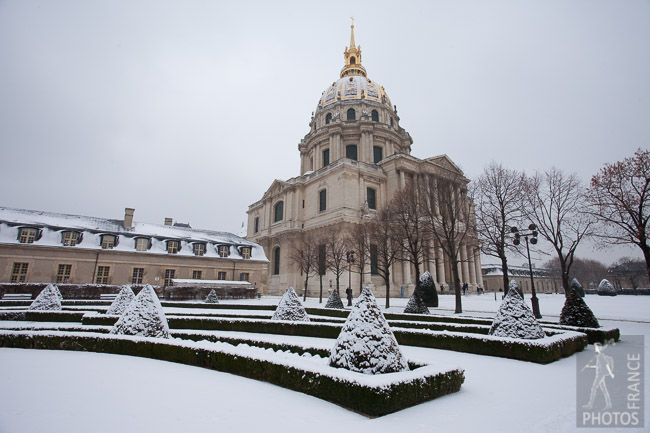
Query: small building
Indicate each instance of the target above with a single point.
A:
(43, 247)
(545, 282)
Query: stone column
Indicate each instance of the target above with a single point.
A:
(402, 179)
(432, 261)
(440, 262)
(471, 265)
(406, 266)
(464, 264)
(477, 266)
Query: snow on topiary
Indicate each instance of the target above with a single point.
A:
(427, 289)
(416, 305)
(366, 344)
(575, 285)
(212, 297)
(576, 312)
(514, 285)
(334, 301)
(122, 301)
(605, 288)
(514, 319)
(290, 308)
(144, 317)
(48, 299)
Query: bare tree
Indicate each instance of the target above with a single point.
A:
(448, 220)
(335, 256)
(383, 238)
(620, 200)
(588, 271)
(630, 269)
(556, 203)
(305, 255)
(407, 217)
(357, 241)
(498, 199)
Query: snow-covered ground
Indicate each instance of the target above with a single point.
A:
(70, 392)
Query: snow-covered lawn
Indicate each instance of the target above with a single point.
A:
(56, 391)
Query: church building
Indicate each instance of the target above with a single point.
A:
(354, 159)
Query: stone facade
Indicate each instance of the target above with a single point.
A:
(354, 159)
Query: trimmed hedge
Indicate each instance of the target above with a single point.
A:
(594, 335)
(408, 389)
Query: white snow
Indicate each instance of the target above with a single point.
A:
(122, 301)
(514, 318)
(290, 308)
(144, 316)
(49, 299)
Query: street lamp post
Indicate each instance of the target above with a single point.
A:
(532, 233)
(350, 258)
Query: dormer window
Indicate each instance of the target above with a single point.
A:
(109, 242)
(173, 247)
(27, 235)
(223, 250)
(246, 253)
(70, 239)
(142, 244)
(199, 248)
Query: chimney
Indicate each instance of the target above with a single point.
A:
(128, 218)
(168, 221)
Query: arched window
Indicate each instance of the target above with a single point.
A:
(375, 116)
(278, 212)
(353, 61)
(328, 118)
(276, 261)
(352, 115)
(351, 151)
(391, 122)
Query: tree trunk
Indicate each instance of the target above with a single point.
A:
(457, 288)
(506, 277)
(304, 296)
(387, 282)
(646, 256)
(320, 300)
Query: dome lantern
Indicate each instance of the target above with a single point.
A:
(352, 56)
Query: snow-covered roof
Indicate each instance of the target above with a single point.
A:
(51, 226)
(513, 271)
(194, 282)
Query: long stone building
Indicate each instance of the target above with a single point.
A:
(42, 247)
(353, 160)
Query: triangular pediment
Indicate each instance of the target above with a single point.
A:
(276, 187)
(445, 162)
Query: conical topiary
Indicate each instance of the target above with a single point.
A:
(122, 301)
(366, 344)
(514, 319)
(605, 288)
(144, 317)
(514, 285)
(212, 297)
(575, 285)
(576, 312)
(49, 299)
(334, 301)
(427, 290)
(416, 305)
(290, 308)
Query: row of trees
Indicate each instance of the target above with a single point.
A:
(429, 211)
(613, 209)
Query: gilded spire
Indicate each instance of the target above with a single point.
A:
(352, 56)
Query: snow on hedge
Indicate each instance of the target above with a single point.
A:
(144, 317)
(575, 285)
(290, 308)
(576, 312)
(605, 288)
(49, 299)
(514, 319)
(212, 297)
(122, 301)
(334, 301)
(366, 344)
(416, 305)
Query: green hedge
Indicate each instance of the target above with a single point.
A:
(356, 395)
(594, 335)
(218, 306)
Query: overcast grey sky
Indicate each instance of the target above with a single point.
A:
(190, 109)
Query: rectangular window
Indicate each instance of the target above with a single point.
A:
(221, 275)
(196, 275)
(63, 273)
(371, 198)
(138, 274)
(142, 244)
(246, 253)
(169, 276)
(199, 249)
(19, 272)
(27, 235)
(108, 242)
(322, 199)
(69, 239)
(326, 157)
(377, 153)
(224, 250)
(374, 260)
(257, 224)
(244, 276)
(172, 247)
(102, 274)
(351, 151)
